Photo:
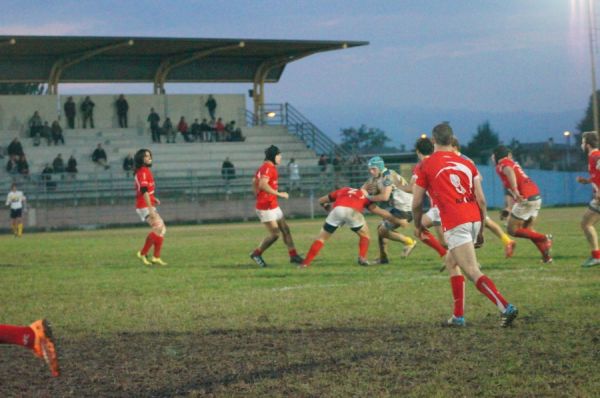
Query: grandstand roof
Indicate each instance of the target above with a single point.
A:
(81, 59)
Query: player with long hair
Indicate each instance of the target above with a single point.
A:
(145, 206)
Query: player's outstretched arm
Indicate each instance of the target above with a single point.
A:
(378, 211)
(417, 209)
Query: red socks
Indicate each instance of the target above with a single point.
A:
(458, 292)
(595, 253)
(487, 287)
(363, 246)
(292, 252)
(153, 239)
(529, 234)
(18, 335)
(313, 251)
(432, 242)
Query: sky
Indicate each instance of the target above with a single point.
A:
(522, 65)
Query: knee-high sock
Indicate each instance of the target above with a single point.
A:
(529, 234)
(148, 244)
(487, 287)
(458, 292)
(363, 246)
(313, 251)
(19, 335)
(432, 242)
(158, 241)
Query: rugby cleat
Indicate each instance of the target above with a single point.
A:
(258, 260)
(143, 258)
(455, 321)
(408, 249)
(296, 259)
(363, 261)
(508, 316)
(591, 262)
(381, 261)
(546, 256)
(157, 261)
(43, 346)
(509, 249)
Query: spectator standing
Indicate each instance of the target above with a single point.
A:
(58, 164)
(294, 175)
(70, 111)
(154, 121)
(57, 133)
(72, 166)
(183, 128)
(87, 111)
(15, 149)
(128, 163)
(168, 130)
(211, 105)
(228, 173)
(122, 109)
(35, 124)
(99, 157)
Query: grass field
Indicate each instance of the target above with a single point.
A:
(213, 324)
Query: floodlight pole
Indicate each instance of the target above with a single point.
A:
(593, 65)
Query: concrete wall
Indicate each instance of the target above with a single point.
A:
(16, 110)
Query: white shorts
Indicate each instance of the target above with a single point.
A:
(461, 234)
(594, 206)
(269, 215)
(341, 215)
(434, 215)
(143, 213)
(526, 209)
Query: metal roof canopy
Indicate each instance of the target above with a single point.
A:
(88, 59)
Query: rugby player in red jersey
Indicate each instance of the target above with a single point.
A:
(454, 184)
(37, 337)
(589, 144)
(265, 184)
(145, 206)
(348, 205)
(528, 201)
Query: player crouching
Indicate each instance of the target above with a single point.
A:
(145, 207)
(347, 205)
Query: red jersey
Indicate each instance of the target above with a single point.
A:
(525, 185)
(349, 197)
(264, 200)
(144, 178)
(448, 179)
(593, 164)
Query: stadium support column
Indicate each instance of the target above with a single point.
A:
(591, 30)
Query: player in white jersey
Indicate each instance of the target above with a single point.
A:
(16, 201)
(383, 187)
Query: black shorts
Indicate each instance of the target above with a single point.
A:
(403, 215)
(16, 213)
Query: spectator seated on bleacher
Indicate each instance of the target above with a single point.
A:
(35, 124)
(57, 133)
(15, 149)
(220, 130)
(128, 164)
(45, 132)
(99, 157)
(11, 165)
(195, 130)
(23, 166)
(47, 177)
(234, 134)
(206, 132)
(183, 128)
(168, 131)
(72, 166)
(58, 164)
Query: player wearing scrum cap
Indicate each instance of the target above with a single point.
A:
(383, 186)
(265, 184)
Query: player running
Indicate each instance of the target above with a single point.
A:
(16, 200)
(589, 144)
(265, 184)
(454, 184)
(383, 186)
(145, 206)
(347, 205)
(528, 201)
(37, 337)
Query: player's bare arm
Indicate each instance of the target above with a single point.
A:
(480, 199)
(583, 180)
(382, 196)
(378, 211)
(263, 185)
(417, 209)
(512, 181)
